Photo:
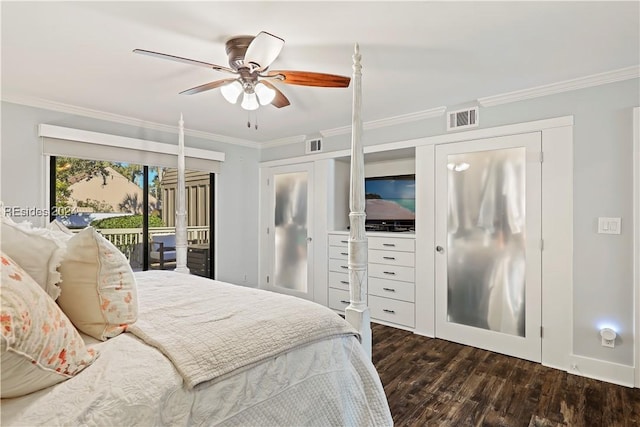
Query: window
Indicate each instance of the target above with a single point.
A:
(133, 206)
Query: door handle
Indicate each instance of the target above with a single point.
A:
(439, 249)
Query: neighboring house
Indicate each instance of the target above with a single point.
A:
(198, 190)
(115, 191)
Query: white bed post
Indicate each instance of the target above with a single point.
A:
(181, 211)
(357, 313)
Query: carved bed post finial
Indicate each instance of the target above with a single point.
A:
(181, 210)
(357, 313)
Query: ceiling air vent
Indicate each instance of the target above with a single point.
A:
(314, 145)
(462, 119)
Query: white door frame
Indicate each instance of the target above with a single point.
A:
(267, 230)
(636, 239)
(557, 231)
(528, 346)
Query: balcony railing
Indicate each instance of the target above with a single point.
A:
(131, 236)
(128, 239)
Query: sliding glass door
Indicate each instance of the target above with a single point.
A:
(133, 206)
(199, 204)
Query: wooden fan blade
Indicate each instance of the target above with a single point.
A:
(184, 60)
(308, 78)
(280, 100)
(206, 86)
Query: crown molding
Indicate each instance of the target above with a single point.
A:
(295, 139)
(621, 74)
(613, 76)
(389, 121)
(117, 118)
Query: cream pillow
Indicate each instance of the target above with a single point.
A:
(59, 227)
(39, 345)
(37, 250)
(98, 286)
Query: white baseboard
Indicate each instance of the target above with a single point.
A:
(558, 367)
(393, 325)
(600, 370)
(424, 333)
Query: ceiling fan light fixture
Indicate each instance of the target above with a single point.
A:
(265, 94)
(250, 101)
(232, 91)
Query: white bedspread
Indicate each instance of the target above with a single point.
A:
(209, 329)
(325, 383)
(328, 383)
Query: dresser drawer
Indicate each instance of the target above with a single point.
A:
(392, 272)
(338, 252)
(339, 280)
(404, 291)
(392, 243)
(339, 265)
(377, 256)
(393, 311)
(338, 299)
(338, 240)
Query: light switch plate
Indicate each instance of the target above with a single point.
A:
(609, 225)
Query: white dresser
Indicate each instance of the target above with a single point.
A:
(338, 272)
(391, 276)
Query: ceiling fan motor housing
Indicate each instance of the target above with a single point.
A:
(236, 48)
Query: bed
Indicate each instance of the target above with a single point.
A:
(327, 380)
(86, 341)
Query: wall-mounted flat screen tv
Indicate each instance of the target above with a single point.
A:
(390, 202)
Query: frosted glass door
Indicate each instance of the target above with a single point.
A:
(291, 230)
(488, 236)
(291, 226)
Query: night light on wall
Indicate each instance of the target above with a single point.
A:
(608, 337)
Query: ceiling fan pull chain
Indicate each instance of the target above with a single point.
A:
(249, 119)
(256, 123)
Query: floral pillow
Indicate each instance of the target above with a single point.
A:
(39, 345)
(37, 250)
(98, 286)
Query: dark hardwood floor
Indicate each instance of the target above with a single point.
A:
(433, 382)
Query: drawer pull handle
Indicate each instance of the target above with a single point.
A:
(344, 253)
(344, 302)
(389, 311)
(388, 289)
(389, 257)
(392, 245)
(389, 272)
(344, 266)
(344, 282)
(344, 241)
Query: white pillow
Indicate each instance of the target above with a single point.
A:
(56, 225)
(40, 347)
(37, 250)
(98, 286)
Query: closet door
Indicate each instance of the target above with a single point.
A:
(488, 235)
(289, 231)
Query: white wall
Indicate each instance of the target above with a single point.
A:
(603, 289)
(24, 175)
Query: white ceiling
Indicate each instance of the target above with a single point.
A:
(415, 55)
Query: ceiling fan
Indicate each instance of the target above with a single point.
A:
(249, 61)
